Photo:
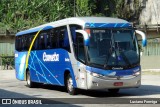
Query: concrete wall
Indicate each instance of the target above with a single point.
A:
(7, 45)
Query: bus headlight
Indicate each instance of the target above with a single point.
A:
(96, 74)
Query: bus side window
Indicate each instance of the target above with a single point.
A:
(47, 41)
(41, 42)
(73, 29)
(61, 37)
(53, 38)
(63, 40)
(66, 44)
(24, 43)
(18, 43)
(36, 45)
(28, 41)
(31, 39)
(80, 47)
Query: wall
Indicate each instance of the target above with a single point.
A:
(7, 45)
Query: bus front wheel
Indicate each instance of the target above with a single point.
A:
(30, 84)
(69, 83)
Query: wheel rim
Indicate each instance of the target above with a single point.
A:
(28, 79)
(70, 84)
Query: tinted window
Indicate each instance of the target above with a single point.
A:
(18, 43)
(63, 39)
(54, 38)
(73, 29)
(48, 39)
(59, 38)
(80, 47)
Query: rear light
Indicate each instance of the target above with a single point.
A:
(118, 84)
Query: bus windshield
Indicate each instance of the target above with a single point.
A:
(113, 48)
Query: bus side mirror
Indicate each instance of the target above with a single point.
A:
(144, 39)
(85, 36)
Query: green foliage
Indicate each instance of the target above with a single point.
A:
(84, 7)
(24, 14)
(123, 9)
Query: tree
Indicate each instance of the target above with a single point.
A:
(24, 14)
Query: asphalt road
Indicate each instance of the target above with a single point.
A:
(10, 87)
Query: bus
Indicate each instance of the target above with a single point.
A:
(90, 53)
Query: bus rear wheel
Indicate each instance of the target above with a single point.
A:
(69, 84)
(113, 91)
(30, 84)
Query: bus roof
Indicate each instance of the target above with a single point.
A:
(83, 21)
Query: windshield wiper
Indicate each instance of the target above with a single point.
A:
(106, 61)
(107, 58)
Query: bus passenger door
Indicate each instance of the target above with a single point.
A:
(80, 53)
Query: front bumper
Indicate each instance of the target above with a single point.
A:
(95, 83)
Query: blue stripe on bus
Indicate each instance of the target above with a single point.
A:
(107, 25)
(117, 72)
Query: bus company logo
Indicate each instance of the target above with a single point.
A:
(50, 57)
(117, 68)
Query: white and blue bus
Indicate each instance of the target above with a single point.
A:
(91, 53)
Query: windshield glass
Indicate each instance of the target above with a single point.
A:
(113, 48)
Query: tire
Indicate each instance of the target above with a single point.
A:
(113, 91)
(30, 84)
(69, 84)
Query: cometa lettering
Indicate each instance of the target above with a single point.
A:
(52, 57)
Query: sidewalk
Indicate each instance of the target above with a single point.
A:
(151, 70)
(9, 68)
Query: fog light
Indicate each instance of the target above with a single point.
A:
(95, 83)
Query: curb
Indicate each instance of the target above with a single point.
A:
(151, 70)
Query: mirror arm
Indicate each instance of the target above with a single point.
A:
(85, 36)
(144, 39)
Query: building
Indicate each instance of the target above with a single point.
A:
(7, 46)
(7, 42)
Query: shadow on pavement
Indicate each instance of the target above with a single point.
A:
(143, 90)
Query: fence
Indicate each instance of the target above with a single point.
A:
(7, 49)
(152, 48)
(6, 62)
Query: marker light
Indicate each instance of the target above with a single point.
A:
(96, 74)
(137, 73)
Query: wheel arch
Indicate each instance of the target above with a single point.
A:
(67, 72)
